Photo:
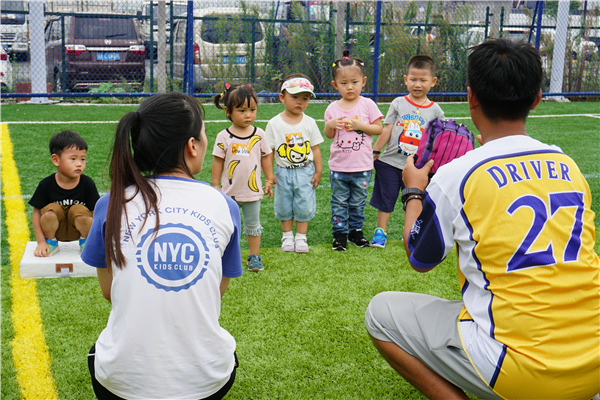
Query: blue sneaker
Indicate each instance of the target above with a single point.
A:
(81, 244)
(379, 238)
(53, 244)
(254, 263)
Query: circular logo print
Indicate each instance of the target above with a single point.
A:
(174, 259)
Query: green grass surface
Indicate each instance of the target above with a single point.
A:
(299, 324)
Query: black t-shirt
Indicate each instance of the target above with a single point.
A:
(48, 191)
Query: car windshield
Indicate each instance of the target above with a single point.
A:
(222, 30)
(104, 28)
(8, 16)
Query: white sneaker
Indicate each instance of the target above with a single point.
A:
(301, 246)
(287, 244)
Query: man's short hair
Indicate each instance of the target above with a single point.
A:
(506, 78)
(66, 140)
(421, 61)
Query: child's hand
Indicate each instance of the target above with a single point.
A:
(316, 180)
(42, 250)
(355, 124)
(375, 156)
(336, 123)
(269, 188)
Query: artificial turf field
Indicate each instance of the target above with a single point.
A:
(298, 324)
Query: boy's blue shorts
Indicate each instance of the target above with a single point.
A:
(388, 184)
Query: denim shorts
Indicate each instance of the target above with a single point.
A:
(295, 197)
(251, 217)
(388, 184)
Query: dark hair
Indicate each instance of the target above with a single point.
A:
(149, 141)
(347, 61)
(506, 78)
(66, 140)
(235, 95)
(421, 61)
(292, 76)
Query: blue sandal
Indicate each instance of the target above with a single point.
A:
(255, 263)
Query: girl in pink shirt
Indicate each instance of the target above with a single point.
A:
(351, 122)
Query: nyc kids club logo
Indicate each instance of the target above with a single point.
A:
(175, 259)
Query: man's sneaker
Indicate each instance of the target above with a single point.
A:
(301, 246)
(81, 244)
(339, 241)
(53, 244)
(287, 244)
(357, 238)
(379, 238)
(254, 263)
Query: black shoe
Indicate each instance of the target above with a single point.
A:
(339, 241)
(358, 239)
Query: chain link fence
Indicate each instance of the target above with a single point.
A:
(104, 48)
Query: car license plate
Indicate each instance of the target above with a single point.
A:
(237, 60)
(107, 57)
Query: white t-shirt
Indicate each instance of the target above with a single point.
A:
(292, 143)
(241, 174)
(163, 339)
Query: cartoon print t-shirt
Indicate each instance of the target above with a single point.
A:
(352, 151)
(241, 175)
(409, 121)
(292, 143)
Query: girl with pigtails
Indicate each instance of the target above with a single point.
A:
(240, 152)
(165, 247)
(351, 122)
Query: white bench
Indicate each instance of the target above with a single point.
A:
(67, 262)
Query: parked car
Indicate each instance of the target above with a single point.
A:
(225, 47)
(14, 27)
(6, 74)
(94, 50)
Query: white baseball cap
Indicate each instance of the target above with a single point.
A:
(298, 85)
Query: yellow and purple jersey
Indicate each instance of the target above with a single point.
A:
(519, 213)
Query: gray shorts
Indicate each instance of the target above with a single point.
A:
(426, 327)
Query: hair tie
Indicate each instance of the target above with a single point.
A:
(345, 58)
(222, 95)
(334, 65)
(362, 64)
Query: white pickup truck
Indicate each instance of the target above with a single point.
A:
(14, 28)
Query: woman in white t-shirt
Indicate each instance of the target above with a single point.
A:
(165, 246)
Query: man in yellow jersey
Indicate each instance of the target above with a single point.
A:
(518, 211)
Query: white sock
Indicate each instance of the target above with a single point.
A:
(300, 236)
(288, 235)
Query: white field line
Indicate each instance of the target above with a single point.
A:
(260, 120)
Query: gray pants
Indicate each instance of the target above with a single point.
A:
(426, 327)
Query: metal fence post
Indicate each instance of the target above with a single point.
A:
(376, 50)
(63, 73)
(560, 44)
(151, 46)
(538, 36)
(188, 72)
(171, 41)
